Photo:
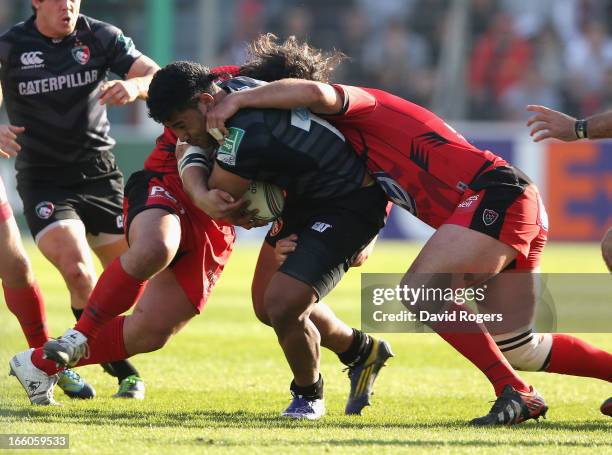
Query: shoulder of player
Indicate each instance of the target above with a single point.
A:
(104, 31)
(247, 118)
(14, 33)
(238, 83)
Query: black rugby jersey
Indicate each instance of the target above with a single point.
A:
(51, 88)
(295, 150)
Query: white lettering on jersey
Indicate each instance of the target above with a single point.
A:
(53, 84)
(320, 227)
(301, 118)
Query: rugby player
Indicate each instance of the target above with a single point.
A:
(332, 203)
(53, 70)
(547, 123)
(488, 215)
(181, 251)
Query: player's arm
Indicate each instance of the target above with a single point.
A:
(194, 170)
(320, 98)
(8, 137)
(227, 181)
(135, 86)
(548, 123)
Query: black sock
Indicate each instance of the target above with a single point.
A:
(314, 391)
(120, 369)
(359, 350)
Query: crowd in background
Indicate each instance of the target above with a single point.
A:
(552, 52)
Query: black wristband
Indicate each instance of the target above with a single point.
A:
(580, 128)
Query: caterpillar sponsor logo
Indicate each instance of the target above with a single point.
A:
(53, 84)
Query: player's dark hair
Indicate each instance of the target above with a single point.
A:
(176, 87)
(268, 60)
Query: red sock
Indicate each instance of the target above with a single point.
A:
(115, 293)
(28, 306)
(478, 347)
(108, 346)
(570, 355)
(48, 366)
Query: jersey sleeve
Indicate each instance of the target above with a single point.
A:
(356, 101)
(243, 152)
(120, 49)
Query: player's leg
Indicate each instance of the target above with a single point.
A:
(470, 257)
(21, 291)
(494, 224)
(335, 334)
(147, 329)
(363, 354)
(154, 236)
(101, 209)
(64, 244)
(322, 256)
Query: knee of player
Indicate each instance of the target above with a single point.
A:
(261, 313)
(282, 311)
(259, 308)
(527, 351)
(151, 255)
(606, 249)
(77, 274)
(18, 272)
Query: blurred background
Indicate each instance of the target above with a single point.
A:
(477, 63)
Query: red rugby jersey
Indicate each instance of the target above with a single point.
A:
(420, 161)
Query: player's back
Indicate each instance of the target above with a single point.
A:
(295, 150)
(420, 161)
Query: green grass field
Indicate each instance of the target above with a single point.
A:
(219, 385)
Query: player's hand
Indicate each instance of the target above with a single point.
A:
(284, 247)
(220, 205)
(218, 115)
(8, 140)
(118, 93)
(360, 258)
(550, 124)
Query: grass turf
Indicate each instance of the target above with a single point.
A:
(219, 385)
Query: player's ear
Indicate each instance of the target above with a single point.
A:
(206, 99)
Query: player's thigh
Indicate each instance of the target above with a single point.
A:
(161, 311)
(107, 247)
(454, 249)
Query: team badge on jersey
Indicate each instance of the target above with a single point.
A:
(489, 217)
(228, 151)
(44, 210)
(81, 54)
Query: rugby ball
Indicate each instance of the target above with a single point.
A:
(268, 198)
